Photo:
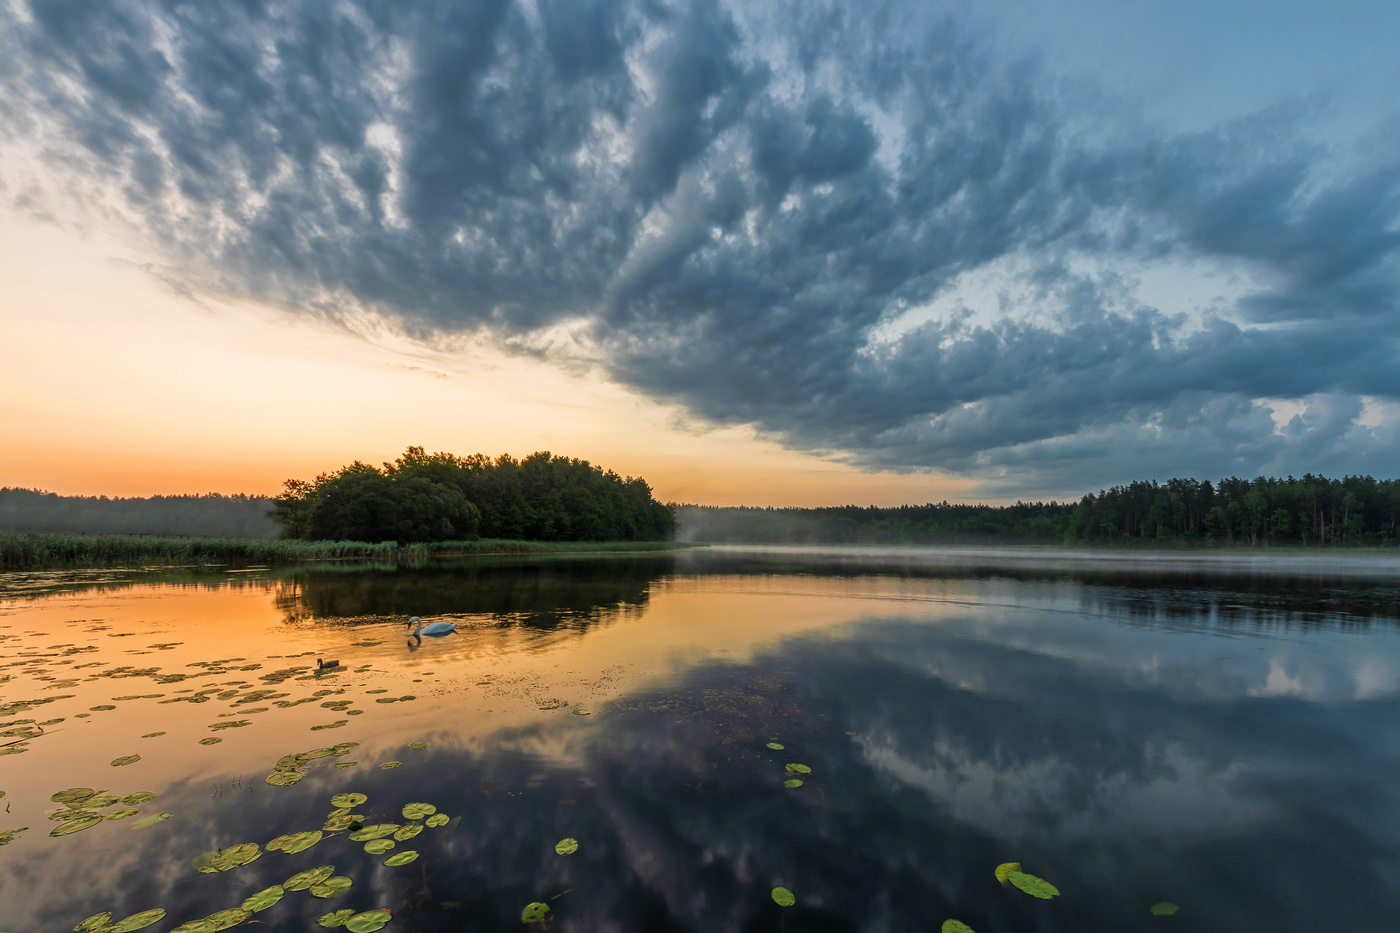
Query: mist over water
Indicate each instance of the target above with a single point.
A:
(1221, 734)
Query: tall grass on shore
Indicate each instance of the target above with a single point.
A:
(21, 551)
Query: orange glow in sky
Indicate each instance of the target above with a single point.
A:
(114, 384)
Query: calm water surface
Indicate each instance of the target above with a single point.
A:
(1220, 735)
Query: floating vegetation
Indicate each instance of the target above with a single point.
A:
(215, 922)
(955, 926)
(582, 712)
(264, 898)
(121, 814)
(417, 811)
(306, 879)
(284, 778)
(152, 735)
(368, 921)
(335, 918)
(73, 795)
(792, 782)
(402, 858)
(79, 824)
(236, 724)
(342, 765)
(95, 922)
(418, 745)
(331, 887)
(1164, 909)
(104, 707)
(408, 832)
(125, 760)
(141, 796)
(343, 801)
(798, 769)
(776, 746)
(335, 824)
(1006, 868)
(227, 859)
(137, 921)
(390, 764)
(534, 912)
(567, 846)
(783, 897)
(331, 725)
(293, 843)
(437, 819)
(214, 740)
(7, 834)
(151, 820)
(379, 846)
(1035, 887)
(376, 831)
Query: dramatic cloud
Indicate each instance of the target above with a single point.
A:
(853, 227)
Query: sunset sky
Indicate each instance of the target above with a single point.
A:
(788, 253)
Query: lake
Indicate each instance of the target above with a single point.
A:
(657, 742)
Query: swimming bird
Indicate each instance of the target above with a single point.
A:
(432, 628)
(323, 665)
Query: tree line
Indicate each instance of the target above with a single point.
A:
(442, 497)
(1311, 511)
(209, 515)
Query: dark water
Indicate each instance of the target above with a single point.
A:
(1221, 736)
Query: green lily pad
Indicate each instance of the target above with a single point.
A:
(418, 745)
(783, 897)
(95, 922)
(284, 778)
(298, 842)
(227, 859)
(1035, 887)
(264, 898)
(343, 747)
(379, 846)
(335, 918)
(152, 735)
(125, 760)
(306, 879)
(955, 926)
(99, 801)
(342, 765)
(799, 769)
(121, 814)
(534, 912)
(213, 740)
(73, 826)
(437, 819)
(138, 921)
(376, 831)
(316, 753)
(1164, 909)
(390, 764)
(406, 833)
(583, 712)
(215, 922)
(1006, 868)
(337, 823)
(566, 846)
(331, 887)
(417, 811)
(151, 820)
(402, 858)
(792, 782)
(141, 796)
(73, 795)
(344, 801)
(777, 746)
(368, 921)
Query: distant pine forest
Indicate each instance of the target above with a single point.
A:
(439, 497)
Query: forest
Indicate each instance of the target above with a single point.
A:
(1312, 511)
(442, 497)
(205, 516)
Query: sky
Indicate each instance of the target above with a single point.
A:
(769, 253)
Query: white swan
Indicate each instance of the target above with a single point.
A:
(432, 628)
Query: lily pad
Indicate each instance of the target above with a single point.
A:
(401, 858)
(293, 843)
(1006, 868)
(306, 879)
(534, 912)
(335, 918)
(264, 898)
(1035, 887)
(583, 712)
(792, 782)
(94, 923)
(406, 833)
(214, 740)
(348, 800)
(368, 921)
(141, 796)
(227, 859)
(783, 897)
(390, 764)
(417, 811)
(1164, 909)
(437, 819)
(418, 745)
(337, 823)
(777, 746)
(284, 778)
(74, 826)
(138, 921)
(121, 814)
(956, 926)
(331, 887)
(567, 846)
(152, 735)
(73, 795)
(798, 769)
(151, 820)
(379, 846)
(125, 760)
(376, 831)
(215, 922)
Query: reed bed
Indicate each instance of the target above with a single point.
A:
(20, 550)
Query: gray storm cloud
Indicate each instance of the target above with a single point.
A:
(765, 213)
